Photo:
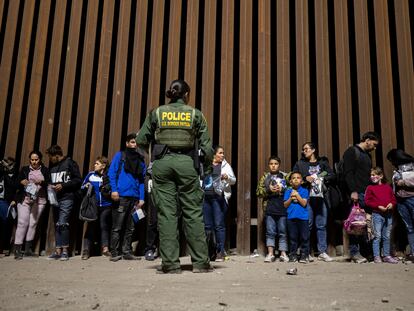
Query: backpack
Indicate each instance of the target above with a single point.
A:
(88, 210)
(339, 167)
(356, 223)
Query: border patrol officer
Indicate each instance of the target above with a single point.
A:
(174, 129)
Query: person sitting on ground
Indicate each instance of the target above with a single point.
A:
(380, 198)
(270, 189)
(296, 202)
(95, 179)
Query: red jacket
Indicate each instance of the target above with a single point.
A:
(379, 195)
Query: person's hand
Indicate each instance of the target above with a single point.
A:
(354, 196)
(24, 182)
(400, 182)
(115, 196)
(225, 176)
(87, 185)
(310, 178)
(382, 208)
(58, 187)
(139, 205)
(294, 195)
(389, 206)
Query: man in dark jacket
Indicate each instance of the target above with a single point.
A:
(65, 180)
(8, 185)
(357, 173)
(126, 175)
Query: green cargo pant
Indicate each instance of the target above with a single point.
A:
(176, 188)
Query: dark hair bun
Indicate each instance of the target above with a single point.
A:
(178, 89)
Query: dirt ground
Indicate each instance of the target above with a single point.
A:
(241, 283)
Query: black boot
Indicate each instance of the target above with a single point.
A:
(28, 249)
(18, 255)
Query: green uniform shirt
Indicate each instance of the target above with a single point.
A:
(146, 135)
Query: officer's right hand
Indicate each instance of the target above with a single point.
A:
(115, 196)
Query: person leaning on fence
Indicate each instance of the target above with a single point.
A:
(65, 181)
(403, 181)
(270, 189)
(33, 180)
(8, 185)
(316, 173)
(95, 179)
(357, 166)
(126, 176)
(380, 198)
(217, 192)
(175, 129)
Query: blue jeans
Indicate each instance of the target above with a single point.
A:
(319, 210)
(355, 241)
(276, 225)
(298, 235)
(61, 216)
(381, 225)
(214, 214)
(406, 210)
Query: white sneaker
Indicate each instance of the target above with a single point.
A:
(311, 259)
(269, 258)
(284, 258)
(325, 257)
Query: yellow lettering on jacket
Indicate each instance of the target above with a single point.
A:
(176, 116)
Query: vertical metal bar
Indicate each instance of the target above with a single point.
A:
(209, 50)
(343, 75)
(226, 78)
(283, 84)
(86, 83)
(70, 72)
(363, 66)
(137, 78)
(323, 78)
(405, 68)
(173, 58)
(244, 127)
(118, 96)
(226, 88)
(7, 57)
(264, 106)
(53, 76)
(386, 93)
(302, 71)
(102, 79)
(156, 55)
(20, 78)
(36, 79)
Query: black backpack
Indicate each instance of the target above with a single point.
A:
(339, 167)
(88, 209)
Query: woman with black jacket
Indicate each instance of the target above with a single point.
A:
(32, 193)
(316, 172)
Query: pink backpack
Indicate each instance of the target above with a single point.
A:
(356, 223)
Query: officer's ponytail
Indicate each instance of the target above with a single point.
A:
(178, 90)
